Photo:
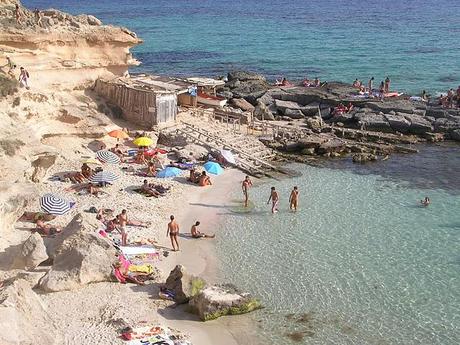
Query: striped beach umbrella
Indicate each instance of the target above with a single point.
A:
(107, 157)
(103, 177)
(213, 168)
(54, 204)
(169, 172)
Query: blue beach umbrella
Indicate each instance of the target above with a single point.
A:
(213, 168)
(169, 172)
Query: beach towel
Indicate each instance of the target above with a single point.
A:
(146, 268)
(138, 250)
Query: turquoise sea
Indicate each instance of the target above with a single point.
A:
(415, 42)
(361, 262)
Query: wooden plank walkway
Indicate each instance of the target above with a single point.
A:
(252, 160)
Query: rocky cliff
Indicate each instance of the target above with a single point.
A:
(54, 42)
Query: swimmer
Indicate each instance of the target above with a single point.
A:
(425, 202)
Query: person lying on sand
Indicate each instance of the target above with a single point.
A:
(197, 234)
(149, 190)
(133, 277)
(46, 229)
(76, 177)
(204, 180)
(425, 202)
(93, 189)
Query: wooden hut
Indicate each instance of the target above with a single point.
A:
(145, 100)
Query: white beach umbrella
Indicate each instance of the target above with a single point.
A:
(228, 155)
(54, 204)
(107, 157)
(103, 177)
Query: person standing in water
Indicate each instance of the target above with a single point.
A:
(370, 85)
(274, 197)
(247, 183)
(173, 232)
(294, 199)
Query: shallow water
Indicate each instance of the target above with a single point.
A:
(360, 263)
(414, 42)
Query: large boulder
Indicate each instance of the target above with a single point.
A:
(242, 104)
(83, 257)
(245, 76)
(436, 113)
(184, 285)
(402, 106)
(33, 253)
(24, 318)
(284, 105)
(216, 301)
(251, 90)
(455, 134)
(262, 112)
(398, 123)
(374, 122)
(418, 124)
(294, 113)
(197, 152)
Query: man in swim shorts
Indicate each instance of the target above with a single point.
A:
(294, 199)
(247, 183)
(173, 232)
(274, 197)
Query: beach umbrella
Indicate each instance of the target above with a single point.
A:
(119, 134)
(54, 204)
(107, 157)
(169, 172)
(103, 177)
(91, 161)
(143, 141)
(228, 155)
(213, 168)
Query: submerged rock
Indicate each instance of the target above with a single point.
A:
(184, 285)
(216, 301)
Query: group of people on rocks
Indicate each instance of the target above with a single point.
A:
(451, 99)
(23, 73)
(20, 17)
(384, 86)
(306, 82)
(342, 109)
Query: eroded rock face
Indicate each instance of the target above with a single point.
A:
(83, 257)
(23, 317)
(216, 301)
(262, 112)
(242, 104)
(184, 285)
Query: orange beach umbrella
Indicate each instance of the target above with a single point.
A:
(119, 134)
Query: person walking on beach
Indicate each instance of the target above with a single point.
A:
(294, 199)
(247, 183)
(274, 197)
(23, 78)
(387, 85)
(173, 232)
(370, 85)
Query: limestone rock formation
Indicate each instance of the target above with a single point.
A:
(83, 257)
(216, 301)
(24, 319)
(242, 104)
(183, 284)
(262, 112)
(33, 253)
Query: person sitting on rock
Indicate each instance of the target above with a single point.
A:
(350, 107)
(204, 180)
(306, 82)
(317, 82)
(356, 83)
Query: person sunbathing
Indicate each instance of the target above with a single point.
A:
(151, 170)
(86, 171)
(350, 107)
(92, 189)
(204, 180)
(194, 176)
(147, 189)
(140, 158)
(76, 177)
(46, 229)
(32, 217)
(197, 234)
(306, 82)
(133, 277)
(317, 82)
